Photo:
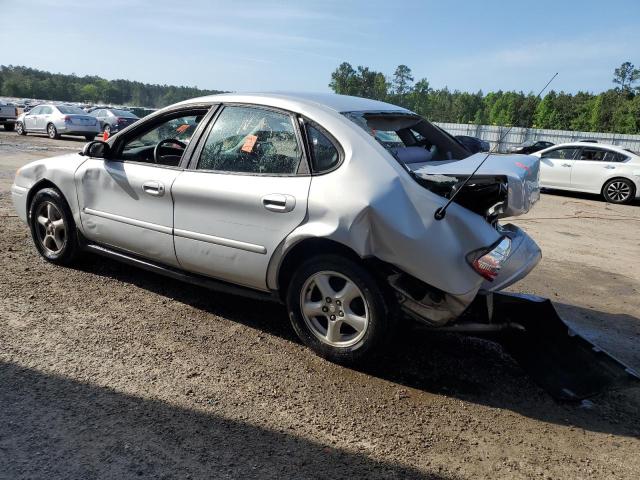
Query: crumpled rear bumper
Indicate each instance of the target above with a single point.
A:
(525, 255)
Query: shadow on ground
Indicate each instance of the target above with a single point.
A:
(54, 427)
(581, 195)
(469, 368)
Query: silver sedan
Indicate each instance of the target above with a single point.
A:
(56, 120)
(324, 202)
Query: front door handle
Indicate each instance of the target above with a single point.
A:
(566, 164)
(609, 167)
(155, 189)
(277, 202)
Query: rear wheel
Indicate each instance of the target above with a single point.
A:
(20, 129)
(107, 129)
(52, 227)
(52, 132)
(338, 310)
(9, 127)
(618, 190)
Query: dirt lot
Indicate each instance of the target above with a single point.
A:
(111, 372)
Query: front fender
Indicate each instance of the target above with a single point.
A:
(58, 171)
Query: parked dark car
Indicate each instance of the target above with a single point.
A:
(473, 144)
(531, 146)
(112, 119)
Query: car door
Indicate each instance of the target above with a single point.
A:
(244, 192)
(43, 118)
(555, 167)
(125, 201)
(592, 168)
(99, 117)
(30, 119)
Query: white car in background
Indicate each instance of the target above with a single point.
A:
(608, 170)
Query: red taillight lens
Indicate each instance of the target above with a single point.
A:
(487, 263)
(67, 119)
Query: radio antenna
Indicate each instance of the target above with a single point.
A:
(442, 211)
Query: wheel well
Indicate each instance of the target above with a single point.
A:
(633, 185)
(310, 247)
(44, 183)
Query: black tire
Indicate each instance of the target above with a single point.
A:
(381, 320)
(52, 132)
(9, 127)
(90, 137)
(619, 190)
(20, 129)
(107, 129)
(69, 249)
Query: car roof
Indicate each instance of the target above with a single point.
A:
(332, 101)
(605, 146)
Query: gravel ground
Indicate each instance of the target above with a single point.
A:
(111, 372)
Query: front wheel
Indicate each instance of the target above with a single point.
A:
(338, 309)
(20, 129)
(9, 127)
(52, 132)
(618, 190)
(52, 227)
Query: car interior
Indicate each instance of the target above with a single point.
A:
(163, 142)
(251, 140)
(410, 138)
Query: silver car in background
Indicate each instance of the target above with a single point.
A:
(326, 203)
(56, 120)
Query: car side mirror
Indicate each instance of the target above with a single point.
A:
(96, 149)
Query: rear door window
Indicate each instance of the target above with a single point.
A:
(614, 157)
(252, 140)
(592, 154)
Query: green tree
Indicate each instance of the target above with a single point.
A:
(625, 76)
(402, 79)
(343, 79)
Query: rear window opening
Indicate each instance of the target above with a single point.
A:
(408, 137)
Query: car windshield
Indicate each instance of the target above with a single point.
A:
(70, 110)
(123, 113)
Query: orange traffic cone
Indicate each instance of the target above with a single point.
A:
(105, 136)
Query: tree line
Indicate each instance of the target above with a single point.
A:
(616, 110)
(24, 82)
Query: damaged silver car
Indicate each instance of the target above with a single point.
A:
(325, 202)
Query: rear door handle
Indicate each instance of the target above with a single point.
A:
(566, 164)
(277, 202)
(609, 167)
(153, 188)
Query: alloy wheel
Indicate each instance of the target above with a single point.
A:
(618, 191)
(50, 228)
(334, 309)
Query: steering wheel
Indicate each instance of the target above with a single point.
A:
(161, 144)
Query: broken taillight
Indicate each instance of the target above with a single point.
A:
(487, 263)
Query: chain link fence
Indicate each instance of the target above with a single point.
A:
(518, 135)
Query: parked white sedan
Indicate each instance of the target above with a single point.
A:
(598, 168)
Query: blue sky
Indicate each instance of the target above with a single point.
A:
(295, 45)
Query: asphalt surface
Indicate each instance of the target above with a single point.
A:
(111, 372)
